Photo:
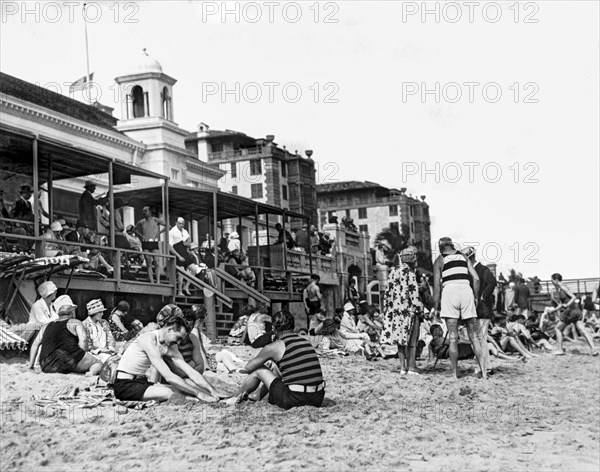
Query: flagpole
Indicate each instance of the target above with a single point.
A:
(87, 51)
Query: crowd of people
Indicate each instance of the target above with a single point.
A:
(455, 314)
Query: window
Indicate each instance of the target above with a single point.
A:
(256, 168)
(412, 211)
(363, 228)
(233, 170)
(362, 213)
(216, 147)
(257, 190)
(395, 226)
(175, 175)
(347, 213)
(166, 104)
(283, 169)
(393, 210)
(137, 99)
(284, 194)
(412, 228)
(234, 190)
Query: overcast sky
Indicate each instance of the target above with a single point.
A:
(529, 192)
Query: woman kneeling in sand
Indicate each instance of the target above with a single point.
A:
(152, 349)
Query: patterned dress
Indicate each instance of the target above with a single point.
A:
(401, 305)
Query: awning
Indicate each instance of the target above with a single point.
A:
(60, 159)
(184, 201)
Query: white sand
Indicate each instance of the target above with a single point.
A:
(543, 415)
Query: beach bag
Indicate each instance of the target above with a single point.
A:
(108, 373)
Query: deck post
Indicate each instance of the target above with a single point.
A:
(36, 200)
(50, 198)
(111, 200)
(166, 262)
(258, 261)
(284, 242)
(268, 239)
(310, 261)
(209, 298)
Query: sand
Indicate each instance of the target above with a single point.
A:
(543, 415)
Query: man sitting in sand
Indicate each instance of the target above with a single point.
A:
(301, 381)
(64, 344)
(150, 349)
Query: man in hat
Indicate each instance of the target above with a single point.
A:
(64, 344)
(455, 300)
(485, 303)
(150, 350)
(22, 209)
(80, 235)
(100, 338)
(87, 206)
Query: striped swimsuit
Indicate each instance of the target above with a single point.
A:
(299, 364)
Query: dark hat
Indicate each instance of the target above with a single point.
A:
(328, 326)
(26, 188)
(81, 224)
(89, 183)
(167, 314)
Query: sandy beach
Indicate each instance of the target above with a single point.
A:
(542, 415)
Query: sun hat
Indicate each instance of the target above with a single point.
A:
(168, 313)
(89, 183)
(56, 226)
(349, 306)
(46, 289)
(63, 301)
(95, 306)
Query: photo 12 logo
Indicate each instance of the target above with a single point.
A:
(269, 12)
(493, 252)
(469, 12)
(470, 172)
(454, 92)
(71, 12)
(270, 92)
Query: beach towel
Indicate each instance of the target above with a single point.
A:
(89, 397)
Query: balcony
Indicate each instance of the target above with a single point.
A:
(250, 152)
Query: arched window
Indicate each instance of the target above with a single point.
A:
(373, 294)
(137, 98)
(166, 104)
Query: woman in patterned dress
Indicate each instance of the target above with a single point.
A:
(403, 310)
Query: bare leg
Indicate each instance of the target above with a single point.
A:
(149, 266)
(159, 266)
(251, 383)
(559, 335)
(478, 348)
(482, 333)
(402, 357)
(158, 392)
(586, 335)
(452, 325)
(259, 393)
(88, 363)
(517, 347)
(411, 350)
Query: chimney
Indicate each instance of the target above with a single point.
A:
(308, 153)
(203, 128)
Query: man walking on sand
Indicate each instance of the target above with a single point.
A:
(455, 300)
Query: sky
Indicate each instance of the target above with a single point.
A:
(489, 109)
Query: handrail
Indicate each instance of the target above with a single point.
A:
(251, 292)
(65, 242)
(224, 298)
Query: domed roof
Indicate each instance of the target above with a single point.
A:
(146, 63)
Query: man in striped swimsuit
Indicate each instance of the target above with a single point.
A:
(455, 299)
(301, 381)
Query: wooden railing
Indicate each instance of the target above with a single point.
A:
(243, 152)
(113, 256)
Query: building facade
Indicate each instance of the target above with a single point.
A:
(374, 207)
(258, 169)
